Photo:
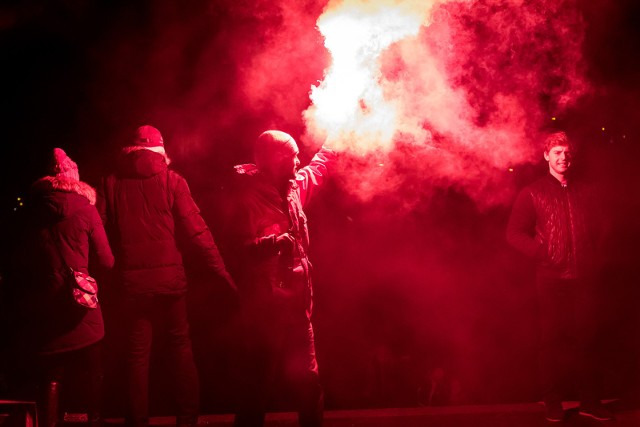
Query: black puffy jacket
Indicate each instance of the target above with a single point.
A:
(63, 229)
(265, 275)
(144, 206)
(560, 226)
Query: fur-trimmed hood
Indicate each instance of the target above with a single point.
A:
(54, 198)
(52, 183)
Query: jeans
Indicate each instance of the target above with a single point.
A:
(169, 313)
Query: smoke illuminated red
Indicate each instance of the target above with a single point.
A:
(349, 106)
(459, 90)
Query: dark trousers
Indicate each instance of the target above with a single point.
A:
(570, 318)
(279, 347)
(169, 314)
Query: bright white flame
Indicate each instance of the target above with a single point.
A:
(349, 104)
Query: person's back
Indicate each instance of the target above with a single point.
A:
(62, 230)
(140, 222)
(62, 227)
(146, 207)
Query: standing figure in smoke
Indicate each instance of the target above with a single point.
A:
(60, 339)
(147, 208)
(274, 277)
(557, 221)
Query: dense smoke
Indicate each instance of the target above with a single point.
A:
(451, 94)
(210, 75)
(462, 101)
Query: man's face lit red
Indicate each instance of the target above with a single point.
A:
(276, 154)
(282, 164)
(559, 158)
(288, 165)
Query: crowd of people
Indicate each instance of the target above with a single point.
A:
(137, 223)
(141, 217)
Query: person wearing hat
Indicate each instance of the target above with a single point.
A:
(145, 207)
(58, 337)
(271, 240)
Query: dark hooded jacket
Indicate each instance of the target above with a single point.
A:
(63, 229)
(146, 209)
(561, 227)
(265, 275)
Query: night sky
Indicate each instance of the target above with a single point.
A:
(428, 281)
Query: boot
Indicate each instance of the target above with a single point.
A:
(94, 420)
(94, 401)
(49, 404)
(186, 421)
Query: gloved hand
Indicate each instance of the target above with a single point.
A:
(285, 243)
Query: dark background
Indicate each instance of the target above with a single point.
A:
(399, 295)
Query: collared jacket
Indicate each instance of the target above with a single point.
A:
(62, 230)
(560, 226)
(147, 209)
(266, 275)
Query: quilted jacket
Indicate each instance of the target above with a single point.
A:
(63, 229)
(147, 209)
(561, 226)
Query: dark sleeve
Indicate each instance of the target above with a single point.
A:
(521, 228)
(101, 202)
(191, 225)
(242, 229)
(98, 241)
(262, 247)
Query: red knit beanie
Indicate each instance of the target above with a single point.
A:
(62, 166)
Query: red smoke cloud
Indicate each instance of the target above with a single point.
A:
(286, 53)
(211, 75)
(454, 93)
(460, 102)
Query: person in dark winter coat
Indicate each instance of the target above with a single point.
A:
(557, 221)
(63, 230)
(147, 208)
(269, 231)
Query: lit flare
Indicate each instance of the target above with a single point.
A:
(349, 105)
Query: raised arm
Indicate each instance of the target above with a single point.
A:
(312, 176)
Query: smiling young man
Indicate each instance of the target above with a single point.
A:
(556, 221)
(558, 153)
